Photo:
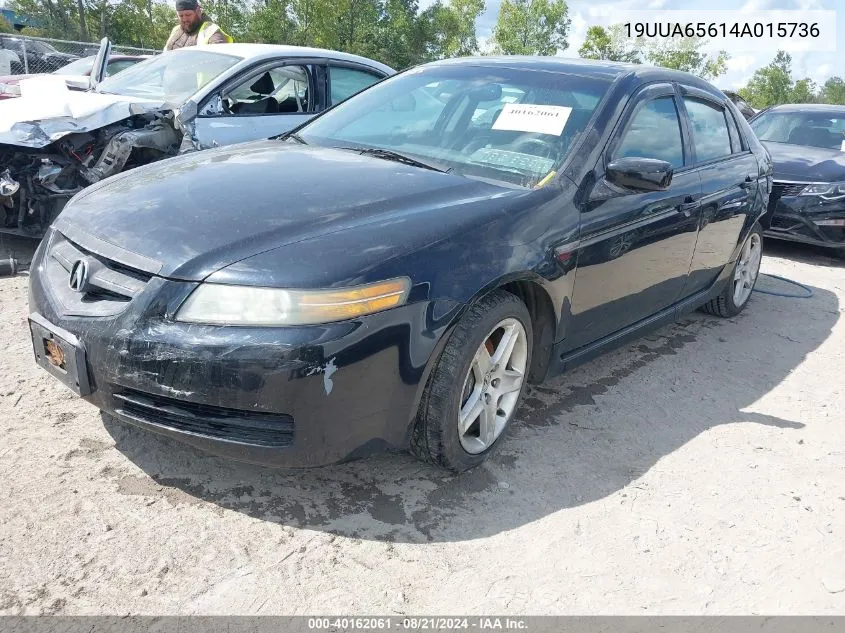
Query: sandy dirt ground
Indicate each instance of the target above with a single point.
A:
(699, 470)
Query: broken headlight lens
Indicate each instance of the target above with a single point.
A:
(219, 304)
(826, 191)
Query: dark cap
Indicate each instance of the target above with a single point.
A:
(187, 5)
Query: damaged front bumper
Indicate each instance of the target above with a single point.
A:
(293, 397)
(808, 220)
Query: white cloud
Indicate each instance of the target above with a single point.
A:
(741, 63)
(740, 83)
(577, 35)
(657, 4)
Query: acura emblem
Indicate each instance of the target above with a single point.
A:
(79, 276)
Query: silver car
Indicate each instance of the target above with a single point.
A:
(55, 141)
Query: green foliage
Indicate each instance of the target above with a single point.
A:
(610, 44)
(396, 32)
(531, 27)
(772, 84)
(686, 55)
(833, 91)
(804, 91)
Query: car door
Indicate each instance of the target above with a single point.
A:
(264, 101)
(729, 182)
(346, 78)
(636, 246)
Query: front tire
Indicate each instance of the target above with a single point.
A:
(477, 385)
(737, 292)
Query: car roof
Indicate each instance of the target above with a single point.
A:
(640, 73)
(820, 108)
(262, 51)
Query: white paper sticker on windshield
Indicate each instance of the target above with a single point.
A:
(543, 119)
(842, 147)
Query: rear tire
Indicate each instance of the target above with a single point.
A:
(746, 269)
(476, 386)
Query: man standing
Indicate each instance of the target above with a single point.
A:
(194, 28)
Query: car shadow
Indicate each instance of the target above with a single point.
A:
(578, 438)
(803, 253)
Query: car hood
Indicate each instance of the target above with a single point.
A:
(192, 215)
(47, 110)
(803, 163)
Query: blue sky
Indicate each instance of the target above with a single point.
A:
(817, 65)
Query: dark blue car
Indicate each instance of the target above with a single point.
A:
(807, 146)
(396, 272)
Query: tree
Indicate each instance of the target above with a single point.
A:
(531, 27)
(770, 85)
(83, 27)
(685, 54)
(609, 44)
(833, 91)
(804, 91)
(452, 28)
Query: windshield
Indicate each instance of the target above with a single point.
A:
(79, 67)
(815, 129)
(502, 124)
(170, 77)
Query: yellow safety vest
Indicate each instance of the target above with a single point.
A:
(207, 30)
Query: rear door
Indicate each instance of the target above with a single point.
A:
(636, 247)
(729, 182)
(262, 102)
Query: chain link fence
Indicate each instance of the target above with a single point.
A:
(24, 55)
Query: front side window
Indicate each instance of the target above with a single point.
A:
(281, 90)
(513, 126)
(654, 132)
(710, 133)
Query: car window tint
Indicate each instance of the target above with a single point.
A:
(709, 130)
(654, 132)
(345, 82)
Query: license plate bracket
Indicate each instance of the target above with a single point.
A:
(60, 353)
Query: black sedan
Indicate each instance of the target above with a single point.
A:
(807, 145)
(396, 272)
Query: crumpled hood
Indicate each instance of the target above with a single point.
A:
(802, 163)
(47, 110)
(195, 214)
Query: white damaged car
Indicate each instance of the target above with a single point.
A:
(55, 141)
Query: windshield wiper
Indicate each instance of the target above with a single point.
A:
(389, 154)
(283, 137)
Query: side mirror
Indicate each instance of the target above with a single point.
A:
(642, 174)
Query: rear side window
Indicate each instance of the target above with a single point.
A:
(710, 133)
(654, 132)
(345, 82)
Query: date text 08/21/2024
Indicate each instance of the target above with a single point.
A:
(417, 624)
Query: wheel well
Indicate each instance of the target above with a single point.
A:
(542, 312)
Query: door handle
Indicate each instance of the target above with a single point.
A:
(688, 205)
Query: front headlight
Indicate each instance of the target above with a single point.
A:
(218, 304)
(827, 191)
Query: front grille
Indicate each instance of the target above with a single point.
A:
(110, 285)
(780, 189)
(247, 427)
